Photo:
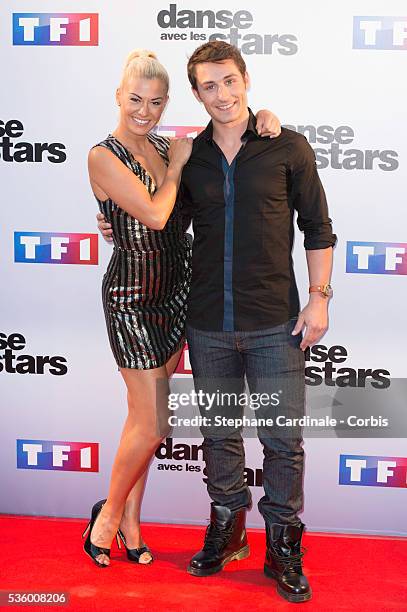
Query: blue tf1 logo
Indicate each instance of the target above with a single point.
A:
(56, 455)
(56, 29)
(55, 248)
(372, 471)
(376, 257)
(380, 33)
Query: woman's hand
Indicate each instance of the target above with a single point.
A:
(180, 150)
(268, 124)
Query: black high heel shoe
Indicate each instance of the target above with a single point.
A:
(91, 549)
(134, 554)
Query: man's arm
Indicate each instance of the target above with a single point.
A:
(315, 314)
(309, 200)
(104, 227)
(185, 204)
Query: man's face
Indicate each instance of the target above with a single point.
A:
(222, 90)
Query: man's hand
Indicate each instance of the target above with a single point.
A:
(315, 319)
(268, 124)
(104, 228)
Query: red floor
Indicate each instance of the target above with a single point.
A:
(346, 572)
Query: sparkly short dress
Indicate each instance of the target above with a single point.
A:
(146, 284)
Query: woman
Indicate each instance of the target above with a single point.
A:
(135, 176)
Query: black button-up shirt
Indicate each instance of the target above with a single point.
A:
(242, 269)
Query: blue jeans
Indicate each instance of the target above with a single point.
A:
(271, 361)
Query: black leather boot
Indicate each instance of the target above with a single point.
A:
(225, 540)
(284, 561)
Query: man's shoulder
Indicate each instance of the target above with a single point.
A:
(297, 143)
(199, 148)
(199, 140)
(289, 141)
(292, 136)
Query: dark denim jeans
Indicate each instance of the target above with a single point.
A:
(271, 361)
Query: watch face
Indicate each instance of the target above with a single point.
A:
(328, 290)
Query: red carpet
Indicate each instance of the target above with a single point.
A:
(346, 572)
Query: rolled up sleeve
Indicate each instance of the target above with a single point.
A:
(308, 197)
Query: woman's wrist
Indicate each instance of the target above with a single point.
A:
(175, 166)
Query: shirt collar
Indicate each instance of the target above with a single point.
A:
(207, 134)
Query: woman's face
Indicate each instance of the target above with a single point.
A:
(141, 103)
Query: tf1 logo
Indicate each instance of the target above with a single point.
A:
(58, 29)
(380, 33)
(376, 257)
(369, 471)
(53, 455)
(55, 248)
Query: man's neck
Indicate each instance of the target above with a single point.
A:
(229, 134)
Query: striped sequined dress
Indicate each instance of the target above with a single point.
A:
(147, 281)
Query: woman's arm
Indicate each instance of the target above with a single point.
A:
(121, 185)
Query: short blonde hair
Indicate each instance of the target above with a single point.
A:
(143, 63)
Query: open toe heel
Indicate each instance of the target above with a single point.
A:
(91, 549)
(134, 554)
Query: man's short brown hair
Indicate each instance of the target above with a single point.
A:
(214, 51)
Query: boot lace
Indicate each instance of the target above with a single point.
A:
(216, 537)
(290, 563)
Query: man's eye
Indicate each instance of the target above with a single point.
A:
(135, 99)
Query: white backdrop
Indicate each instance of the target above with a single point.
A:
(314, 65)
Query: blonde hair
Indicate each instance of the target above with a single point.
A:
(143, 63)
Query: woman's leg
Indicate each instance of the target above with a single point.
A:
(146, 425)
(130, 522)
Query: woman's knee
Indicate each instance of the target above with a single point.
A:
(150, 417)
(151, 429)
(164, 429)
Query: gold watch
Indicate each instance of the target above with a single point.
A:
(325, 290)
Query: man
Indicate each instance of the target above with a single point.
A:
(243, 309)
